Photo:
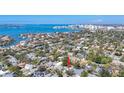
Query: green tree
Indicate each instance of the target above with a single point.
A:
(64, 61)
(35, 62)
(84, 74)
(59, 73)
(42, 68)
(103, 59)
(91, 55)
(121, 73)
(39, 52)
(16, 70)
(122, 59)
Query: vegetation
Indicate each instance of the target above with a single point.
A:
(16, 71)
(118, 53)
(121, 71)
(105, 73)
(64, 61)
(39, 52)
(95, 51)
(35, 62)
(103, 59)
(122, 59)
(84, 74)
(91, 55)
(42, 68)
(70, 72)
(100, 59)
(59, 73)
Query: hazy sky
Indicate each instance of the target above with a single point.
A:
(60, 19)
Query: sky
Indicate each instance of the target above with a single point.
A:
(61, 19)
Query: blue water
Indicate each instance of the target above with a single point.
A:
(15, 31)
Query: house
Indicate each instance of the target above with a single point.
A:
(28, 66)
(13, 60)
(31, 56)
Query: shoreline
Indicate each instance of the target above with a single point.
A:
(90, 52)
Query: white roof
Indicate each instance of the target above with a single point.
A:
(28, 66)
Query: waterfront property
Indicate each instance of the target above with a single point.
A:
(90, 53)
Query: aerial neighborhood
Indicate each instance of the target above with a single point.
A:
(95, 50)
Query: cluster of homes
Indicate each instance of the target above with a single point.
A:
(45, 55)
(5, 40)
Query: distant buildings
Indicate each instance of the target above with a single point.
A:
(92, 27)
